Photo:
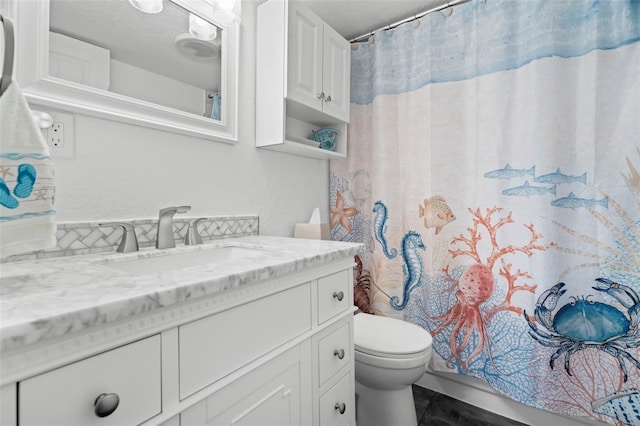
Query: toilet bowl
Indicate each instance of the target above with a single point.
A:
(390, 355)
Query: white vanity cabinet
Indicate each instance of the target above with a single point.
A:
(302, 80)
(278, 351)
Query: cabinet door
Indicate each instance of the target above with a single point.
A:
(274, 394)
(336, 73)
(304, 81)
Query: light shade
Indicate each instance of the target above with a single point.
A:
(201, 29)
(226, 12)
(147, 6)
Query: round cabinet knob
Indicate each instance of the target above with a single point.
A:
(321, 95)
(340, 407)
(338, 295)
(105, 404)
(327, 99)
(339, 353)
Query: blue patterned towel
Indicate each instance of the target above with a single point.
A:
(27, 191)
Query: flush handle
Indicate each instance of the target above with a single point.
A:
(339, 353)
(105, 404)
(338, 295)
(341, 407)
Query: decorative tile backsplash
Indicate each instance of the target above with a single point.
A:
(76, 238)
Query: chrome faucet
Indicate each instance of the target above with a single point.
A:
(164, 237)
(129, 241)
(193, 237)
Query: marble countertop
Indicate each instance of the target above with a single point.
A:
(45, 299)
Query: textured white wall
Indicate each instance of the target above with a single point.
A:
(123, 171)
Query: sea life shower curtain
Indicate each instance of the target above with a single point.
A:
(493, 176)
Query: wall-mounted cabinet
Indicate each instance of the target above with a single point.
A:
(318, 74)
(303, 71)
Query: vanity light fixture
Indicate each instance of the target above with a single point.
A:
(147, 6)
(226, 12)
(201, 29)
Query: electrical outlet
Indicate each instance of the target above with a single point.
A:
(60, 136)
(55, 135)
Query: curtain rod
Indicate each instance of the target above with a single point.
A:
(417, 16)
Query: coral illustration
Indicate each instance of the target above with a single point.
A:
(469, 315)
(619, 257)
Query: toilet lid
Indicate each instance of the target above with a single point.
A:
(385, 336)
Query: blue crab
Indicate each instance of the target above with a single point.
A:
(582, 324)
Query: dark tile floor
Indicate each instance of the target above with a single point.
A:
(435, 409)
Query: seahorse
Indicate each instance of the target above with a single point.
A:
(413, 267)
(380, 227)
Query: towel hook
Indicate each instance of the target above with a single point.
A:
(7, 66)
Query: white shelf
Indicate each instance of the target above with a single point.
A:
(297, 148)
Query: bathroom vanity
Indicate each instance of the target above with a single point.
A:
(251, 330)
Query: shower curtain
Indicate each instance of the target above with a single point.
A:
(493, 177)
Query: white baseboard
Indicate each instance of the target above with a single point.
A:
(475, 392)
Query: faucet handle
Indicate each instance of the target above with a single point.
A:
(177, 209)
(129, 241)
(193, 236)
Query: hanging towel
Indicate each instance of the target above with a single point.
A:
(215, 109)
(27, 191)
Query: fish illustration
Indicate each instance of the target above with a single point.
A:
(527, 190)
(573, 202)
(558, 177)
(623, 406)
(436, 213)
(507, 172)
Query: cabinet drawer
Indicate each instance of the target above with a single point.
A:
(66, 396)
(336, 405)
(333, 295)
(215, 346)
(334, 352)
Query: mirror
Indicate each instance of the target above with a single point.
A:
(107, 58)
(110, 45)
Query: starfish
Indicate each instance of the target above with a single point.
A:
(340, 214)
(5, 171)
(40, 195)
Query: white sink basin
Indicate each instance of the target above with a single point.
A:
(152, 265)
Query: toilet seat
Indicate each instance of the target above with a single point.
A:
(389, 338)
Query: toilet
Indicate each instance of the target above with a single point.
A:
(390, 355)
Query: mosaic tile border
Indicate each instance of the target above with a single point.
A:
(75, 238)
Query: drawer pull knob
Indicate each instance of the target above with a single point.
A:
(106, 404)
(339, 353)
(338, 295)
(341, 407)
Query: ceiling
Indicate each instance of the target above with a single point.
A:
(109, 24)
(353, 18)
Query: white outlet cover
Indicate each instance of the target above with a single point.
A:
(67, 150)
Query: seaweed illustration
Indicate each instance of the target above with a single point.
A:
(619, 258)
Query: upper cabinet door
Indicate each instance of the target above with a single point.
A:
(319, 64)
(304, 82)
(336, 71)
